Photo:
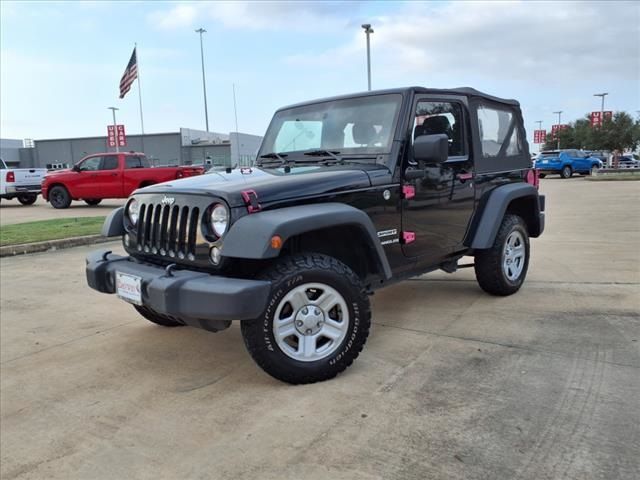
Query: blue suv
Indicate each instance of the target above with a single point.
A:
(566, 163)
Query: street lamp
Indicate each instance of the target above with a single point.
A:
(559, 113)
(115, 129)
(601, 95)
(204, 84)
(368, 30)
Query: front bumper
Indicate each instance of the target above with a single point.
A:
(193, 297)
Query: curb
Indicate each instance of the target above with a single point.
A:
(52, 245)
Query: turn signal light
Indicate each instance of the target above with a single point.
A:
(276, 242)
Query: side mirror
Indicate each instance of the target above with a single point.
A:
(76, 168)
(431, 148)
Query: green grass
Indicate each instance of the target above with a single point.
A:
(49, 230)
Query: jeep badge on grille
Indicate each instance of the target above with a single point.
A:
(167, 200)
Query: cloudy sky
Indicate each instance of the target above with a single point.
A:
(60, 63)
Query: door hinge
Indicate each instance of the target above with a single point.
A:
(408, 237)
(408, 191)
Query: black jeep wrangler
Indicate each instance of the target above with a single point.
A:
(348, 195)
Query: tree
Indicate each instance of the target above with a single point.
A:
(619, 133)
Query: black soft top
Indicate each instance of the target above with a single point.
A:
(466, 91)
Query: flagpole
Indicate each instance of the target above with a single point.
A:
(139, 95)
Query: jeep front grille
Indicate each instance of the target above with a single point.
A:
(168, 230)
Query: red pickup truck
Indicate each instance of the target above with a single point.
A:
(107, 175)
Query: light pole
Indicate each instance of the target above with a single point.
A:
(368, 30)
(559, 113)
(602, 95)
(540, 145)
(204, 84)
(115, 129)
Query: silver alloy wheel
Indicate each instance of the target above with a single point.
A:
(311, 322)
(513, 256)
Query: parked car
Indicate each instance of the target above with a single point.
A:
(627, 161)
(349, 195)
(107, 175)
(566, 163)
(21, 183)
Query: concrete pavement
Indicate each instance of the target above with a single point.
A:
(11, 211)
(452, 384)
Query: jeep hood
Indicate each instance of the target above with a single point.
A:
(273, 185)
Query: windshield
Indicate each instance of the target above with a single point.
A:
(362, 125)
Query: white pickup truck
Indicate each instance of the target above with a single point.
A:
(21, 183)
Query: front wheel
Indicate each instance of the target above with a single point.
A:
(566, 172)
(501, 269)
(316, 321)
(27, 198)
(59, 197)
(92, 202)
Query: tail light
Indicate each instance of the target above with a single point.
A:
(11, 177)
(533, 178)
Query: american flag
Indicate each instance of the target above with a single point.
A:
(129, 75)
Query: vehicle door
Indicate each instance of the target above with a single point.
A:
(131, 176)
(578, 160)
(98, 178)
(438, 197)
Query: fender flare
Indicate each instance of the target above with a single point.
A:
(250, 236)
(113, 225)
(486, 228)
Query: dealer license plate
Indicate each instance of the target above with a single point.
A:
(128, 288)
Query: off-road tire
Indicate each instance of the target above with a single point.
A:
(566, 172)
(59, 197)
(287, 274)
(488, 263)
(27, 198)
(92, 202)
(156, 318)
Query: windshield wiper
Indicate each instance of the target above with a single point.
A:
(325, 153)
(275, 156)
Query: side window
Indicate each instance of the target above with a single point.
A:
(91, 164)
(498, 132)
(109, 163)
(132, 161)
(440, 117)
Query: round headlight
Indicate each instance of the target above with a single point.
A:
(133, 211)
(219, 219)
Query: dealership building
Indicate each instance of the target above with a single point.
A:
(185, 147)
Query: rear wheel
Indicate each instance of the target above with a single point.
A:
(316, 322)
(156, 318)
(59, 197)
(566, 172)
(501, 269)
(92, 201)
(27, 198)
